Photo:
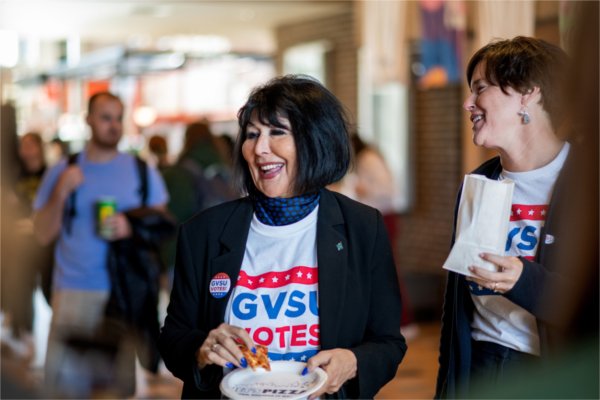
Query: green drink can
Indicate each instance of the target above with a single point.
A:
(105, 207)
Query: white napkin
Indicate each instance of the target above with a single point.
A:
(482, 223)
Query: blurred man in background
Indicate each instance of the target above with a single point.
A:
(66, 211)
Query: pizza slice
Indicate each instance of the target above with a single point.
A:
(258, 360)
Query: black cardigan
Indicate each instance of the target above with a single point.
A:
(359, 300)
(455, 344)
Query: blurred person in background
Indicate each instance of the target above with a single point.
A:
(160, 151)
(26, 256)
(159, 156)
(15, 356)
(227, 145)
(200, 178)
(494, 322)
(66, 211)
(371, 182)
(288, 235)
(9, 172)
(374, 181)
(56, 150)
(32, 168)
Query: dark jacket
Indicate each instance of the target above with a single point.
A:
(455, 345)
(133, 265)
(359, 300)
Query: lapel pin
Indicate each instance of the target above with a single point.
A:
(219, 285)
(339, 246)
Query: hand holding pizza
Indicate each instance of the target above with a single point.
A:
(340, 365)
(257, 357)
(221, 347)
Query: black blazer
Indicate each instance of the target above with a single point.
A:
(359, 300)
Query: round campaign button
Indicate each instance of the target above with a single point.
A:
(219, 285)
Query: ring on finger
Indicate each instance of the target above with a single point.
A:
(214, 347)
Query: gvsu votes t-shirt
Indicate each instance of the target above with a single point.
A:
(497, 319)
(276, 295)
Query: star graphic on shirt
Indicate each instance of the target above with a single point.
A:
(531, 212)
(292, 358)
(249, 282)
(543, 212)
(299, 274)
(274, 279)
(479, 287)
(519, 211)
(287, 277)
(303, 358)
(261, 280)
(308, 276)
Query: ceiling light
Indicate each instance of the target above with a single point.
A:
(144, 116)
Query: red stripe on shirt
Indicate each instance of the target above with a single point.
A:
(302, 275)
(521, 212)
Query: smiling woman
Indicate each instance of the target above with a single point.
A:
(297, 112)
(270, 153)
(494, 321)
(304, 271)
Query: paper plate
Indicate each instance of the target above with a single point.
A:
(284, 381)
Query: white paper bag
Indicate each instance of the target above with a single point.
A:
(482, 223)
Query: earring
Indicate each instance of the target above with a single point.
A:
(524, 115)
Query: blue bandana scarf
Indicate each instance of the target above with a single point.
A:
(283, 211)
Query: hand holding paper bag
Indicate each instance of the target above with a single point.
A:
(482, 223)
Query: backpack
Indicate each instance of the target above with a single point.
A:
(47, 271)
(211, 184)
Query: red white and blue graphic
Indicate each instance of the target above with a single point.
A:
(526, 223)
(279, 309)
(219, 285)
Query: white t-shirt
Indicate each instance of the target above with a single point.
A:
(276, 296)
(81, 256)
(496, 318)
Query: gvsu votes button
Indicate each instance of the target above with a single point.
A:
(219, 285)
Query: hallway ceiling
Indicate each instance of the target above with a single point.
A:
(247, 24)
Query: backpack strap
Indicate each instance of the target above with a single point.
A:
(71, 211)
(142, 169)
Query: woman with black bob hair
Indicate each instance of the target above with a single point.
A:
(306, 272)
(320, 131)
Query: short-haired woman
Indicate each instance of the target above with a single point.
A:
(493, 322)
(292, 266)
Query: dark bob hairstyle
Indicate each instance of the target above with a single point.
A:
(318, 123)
(522, 63)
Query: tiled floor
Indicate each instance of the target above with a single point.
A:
(415, 378)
